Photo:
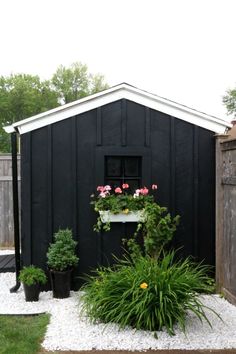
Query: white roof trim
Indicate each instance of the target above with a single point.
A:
(115, 93)
(9, 129)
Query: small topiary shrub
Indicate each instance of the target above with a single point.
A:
(147, 293)
(61, 254)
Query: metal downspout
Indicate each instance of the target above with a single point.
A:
(15, 210)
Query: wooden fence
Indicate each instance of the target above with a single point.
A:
(6, 206)
(226, 216)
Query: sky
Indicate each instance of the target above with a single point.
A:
(183, 50)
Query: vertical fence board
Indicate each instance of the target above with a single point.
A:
(226, 219)
(6, 204)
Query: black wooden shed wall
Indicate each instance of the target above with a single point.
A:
(63, 163)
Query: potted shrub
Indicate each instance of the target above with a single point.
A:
(61, 261)
(32, 278)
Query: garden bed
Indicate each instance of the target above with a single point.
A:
(70, 331)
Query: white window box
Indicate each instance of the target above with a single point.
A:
(132, 216)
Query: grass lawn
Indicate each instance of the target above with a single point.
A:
(22, 334)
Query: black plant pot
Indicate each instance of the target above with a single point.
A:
(60, 282)
(31, 292)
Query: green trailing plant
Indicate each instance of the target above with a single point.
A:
(146, 293)
(61, 254)
(157, 229)
(32, 275)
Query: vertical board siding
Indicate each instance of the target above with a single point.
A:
(88, 247)
(184, 185)
(160, 155)
(135, 124)
(172, 167)
(62, 175)
(123, 122)
(67, 163)
(74, 184)
(50, 216)
(206, 196)
(39, 195)
(26, 199)
(111, 124)
(195, 190)
(147, 126)
(99, 126)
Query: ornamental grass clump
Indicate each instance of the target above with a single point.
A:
(146, 293)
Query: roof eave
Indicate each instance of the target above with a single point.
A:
(118, 92)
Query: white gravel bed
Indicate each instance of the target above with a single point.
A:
(68, 330)
(6, 252)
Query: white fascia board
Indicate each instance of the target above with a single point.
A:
(116, 93)
(9, 129)
(53, 117)
(176, 110)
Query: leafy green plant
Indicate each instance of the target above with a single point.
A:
(119, 201)
(157, 225)
(61, 254)
(32, 275)
(158, 228)
(146, 293)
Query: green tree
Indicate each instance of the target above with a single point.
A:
(76, 82)
(229, 100)
(22, 96)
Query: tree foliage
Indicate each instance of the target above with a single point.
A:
(229, 100)
(24, 95)
(75, 82)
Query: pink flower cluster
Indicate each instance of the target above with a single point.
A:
(143, 191)
(105, 190)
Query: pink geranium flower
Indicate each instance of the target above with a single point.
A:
(118, 190)
(125, 186)
(144, 191)
(103, 194)
(100, 189)
(154, 186)
(107, 188)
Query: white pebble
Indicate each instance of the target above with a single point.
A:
(68, 330)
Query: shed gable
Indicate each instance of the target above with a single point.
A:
(113, 94)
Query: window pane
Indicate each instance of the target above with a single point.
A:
(132, 166)
(114, 183)
(113, 167)
(133, 184)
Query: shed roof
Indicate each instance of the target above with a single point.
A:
(115, 93)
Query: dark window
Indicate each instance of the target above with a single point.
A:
(123, 169)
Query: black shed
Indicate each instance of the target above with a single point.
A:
(122, 133)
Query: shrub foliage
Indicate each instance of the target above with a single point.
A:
(32, 275)
(147, 293)
(61, 254)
